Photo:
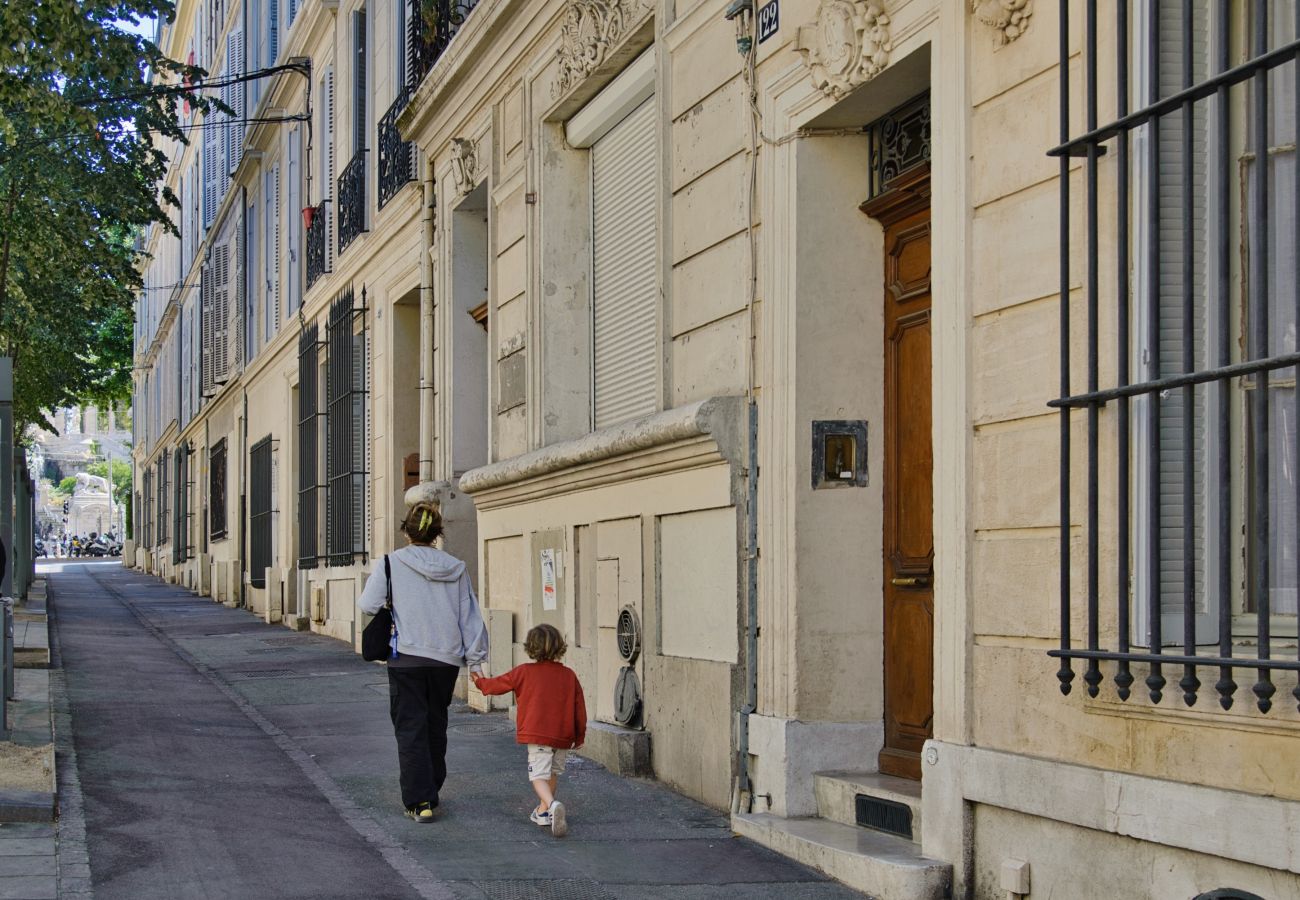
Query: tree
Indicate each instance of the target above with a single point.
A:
(68, 485)
(84, 140)
(121, 479)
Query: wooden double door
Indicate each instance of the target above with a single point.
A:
(908, 475)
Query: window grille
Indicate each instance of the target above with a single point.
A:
(146, 510)
(259, 511)
(431, 25)
(1203, 191)
(217, 490)
(899, 142)
(345, 425)
(164, 498)
(396, 156)
(181, 547)
(308, 448)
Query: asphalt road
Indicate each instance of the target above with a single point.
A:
(220, 757)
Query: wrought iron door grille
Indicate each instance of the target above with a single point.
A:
(308, 448)
(259, 511)
(396, 156)
(899, 142)
(430, 27)
(1184, 163)
(352, 201)
(181, 550)
(164, 498)
(217, 490)
(345, 427)
(317, 240)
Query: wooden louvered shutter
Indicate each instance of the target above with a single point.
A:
(238, 292)
(625, 302)
(271, 261)
(212, 134)
(207, 324)
(327, 166)
(359, 81)
(235, 67)
(272, 32)
(221, 311)
(293, 222)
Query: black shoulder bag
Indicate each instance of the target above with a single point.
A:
(376, 636)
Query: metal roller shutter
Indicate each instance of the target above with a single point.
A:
(624, 168)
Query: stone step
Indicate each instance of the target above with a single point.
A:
(837, 794)
(880, 865)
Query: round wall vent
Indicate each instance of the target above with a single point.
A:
(629, 635)
(627, 698)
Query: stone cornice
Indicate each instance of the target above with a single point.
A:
(706, 432)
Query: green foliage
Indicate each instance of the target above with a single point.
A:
(67, 485)
(121, 477)
(83, 145)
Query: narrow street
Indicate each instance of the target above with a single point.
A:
(221, 757)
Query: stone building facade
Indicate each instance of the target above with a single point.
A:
(726, 336)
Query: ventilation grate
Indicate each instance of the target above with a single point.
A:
(550, 889)
(884, 815)
(267, 673)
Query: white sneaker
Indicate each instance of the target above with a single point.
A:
(540, 818)
(559, 826)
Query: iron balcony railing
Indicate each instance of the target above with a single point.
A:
(431, 25)
(318, 262)
(396, 156)
(352, 201)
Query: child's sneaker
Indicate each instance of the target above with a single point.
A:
(540, 818)
(559, 826)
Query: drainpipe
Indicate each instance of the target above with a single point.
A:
(426, 325)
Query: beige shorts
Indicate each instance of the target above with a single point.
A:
(545, 762)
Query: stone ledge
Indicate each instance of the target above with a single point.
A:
(27, 806)
(623, 751)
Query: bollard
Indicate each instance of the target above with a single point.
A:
(6, 664)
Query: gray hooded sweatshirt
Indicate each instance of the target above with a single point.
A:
(434, 606)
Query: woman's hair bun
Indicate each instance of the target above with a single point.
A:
(423, 522)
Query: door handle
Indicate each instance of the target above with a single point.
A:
(911, 581)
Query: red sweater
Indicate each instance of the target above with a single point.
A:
(551, 709)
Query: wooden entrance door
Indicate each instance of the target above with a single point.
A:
(908, 476)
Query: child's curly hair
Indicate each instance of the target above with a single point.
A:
(544, 643)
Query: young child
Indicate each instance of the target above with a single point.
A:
(551, 719)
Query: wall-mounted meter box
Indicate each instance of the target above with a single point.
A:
(839, 453)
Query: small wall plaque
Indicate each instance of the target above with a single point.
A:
(839, 453)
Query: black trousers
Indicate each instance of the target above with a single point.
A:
(418, 698)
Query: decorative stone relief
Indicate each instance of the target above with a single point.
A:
(1009, 17)
(464, 163)
(847, 45)
(591, 29)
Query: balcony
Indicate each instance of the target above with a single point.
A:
(431, 25)
(396, 156)
(318, 261)
(352, 201)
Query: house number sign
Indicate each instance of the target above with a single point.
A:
(769, 19)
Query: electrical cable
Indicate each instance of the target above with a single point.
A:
(194, 86)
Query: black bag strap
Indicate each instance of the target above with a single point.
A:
(388, 580)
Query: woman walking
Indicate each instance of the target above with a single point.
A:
(439, 630)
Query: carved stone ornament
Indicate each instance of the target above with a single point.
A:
(464, 163)
(591, 29)
(1009, 17)
(847, 45)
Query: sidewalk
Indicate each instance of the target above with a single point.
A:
(326, 710)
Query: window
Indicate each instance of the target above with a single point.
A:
(1198, 426)
(271, 255)
(346, 426)
(259, 511)
(146, 499)
(181, 505)
(308, 448)
(249, 283)
(217, 490)
(164, 498)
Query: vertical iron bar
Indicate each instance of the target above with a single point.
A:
(1155, 680)
(1092, 677)
(1217, 221)
(1259, 263)
(1123, 676)
(1189, 682)
(1065, 674)
(1295, 373)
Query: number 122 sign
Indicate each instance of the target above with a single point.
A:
(769, 20)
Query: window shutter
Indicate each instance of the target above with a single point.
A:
(212, 132)
(1172, 171)
(272, 32)
(293, 222)
(271, 262)
(221, 312)
(626, 342)
(292, 13)
(359, 80)
(238, 294)
(235, 67)
(360, 463)
(207, 324)
(327, 167)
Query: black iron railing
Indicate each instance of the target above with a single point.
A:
(430, 27)
(317, 239)
(352, 201)
(259, 511)
(396, 156)
(308, 448)
(217, 490)
(1206, 501)
(164, 498)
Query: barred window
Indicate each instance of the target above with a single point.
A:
(164, 497)
(308, 448)
(145, 499)
(1197, 421)
(181, 548)
(217, 490)
(347, 432)
(260, 501)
